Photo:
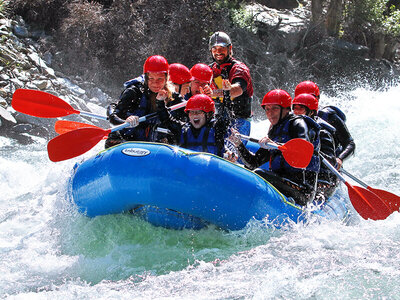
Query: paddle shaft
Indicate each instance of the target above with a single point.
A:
(265, 146)
(332, 168)
(92, 115)
(149, 116)
(354, 178)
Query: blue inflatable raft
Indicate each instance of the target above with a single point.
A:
(177, 188)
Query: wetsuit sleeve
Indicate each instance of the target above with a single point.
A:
(253, 160)
(344, 138)
(327, 146)
(299, 129)
(168, 121)
(128, 102)
(242, 83)
(241, 71)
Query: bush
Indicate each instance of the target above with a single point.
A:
(114, 42)
(46, 13)
(372, 23)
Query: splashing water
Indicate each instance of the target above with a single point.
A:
(49, 251)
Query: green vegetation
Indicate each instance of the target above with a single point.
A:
(374, 24)
(392, 22)
(373, 15)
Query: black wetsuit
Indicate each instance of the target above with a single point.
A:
(344, 142)
(299, 184)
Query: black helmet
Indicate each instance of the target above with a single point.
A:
(219, 39)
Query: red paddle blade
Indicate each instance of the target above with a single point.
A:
(64, 126)
(367, 204)
(40, 104)
(74, 143)
(297, 152)
(391, 200)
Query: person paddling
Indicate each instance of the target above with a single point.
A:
(344, 142)
(232, 84)
(138, 99)
(300, 184)
(307, 104)
(203, 132)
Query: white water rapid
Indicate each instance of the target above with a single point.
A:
(49, 251)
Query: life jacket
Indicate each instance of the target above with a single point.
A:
(242, 104)
(204, 142)
(325, 125)
(327, 111)
(280, 134)
(326, 114)
(313, 132)
(144, 131)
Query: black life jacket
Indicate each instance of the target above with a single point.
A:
(144, 131)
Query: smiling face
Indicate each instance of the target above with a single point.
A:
(156, 81)
(220, 54)
(273, 113)
(197, 118)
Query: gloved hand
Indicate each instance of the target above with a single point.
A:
(133, 121)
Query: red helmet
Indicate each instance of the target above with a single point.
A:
(202, 73)
(307, 87)
(277, 97)
(155, 64)
(200, 102)
(307, 100)
(179, 74)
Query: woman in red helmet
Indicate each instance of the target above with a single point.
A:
(307, 104)
(300, 184)
(180, 77)
(202, 132)
(139, 99)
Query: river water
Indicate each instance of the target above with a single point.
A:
(49, 251)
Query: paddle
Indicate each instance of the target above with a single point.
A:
(44, 105)
(81, 140)
(296, 152)
(391, 200)
(63, 126)
(365, 202)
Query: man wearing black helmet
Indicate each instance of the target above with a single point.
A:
(232, 85)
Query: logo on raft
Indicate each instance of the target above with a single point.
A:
(135, 151)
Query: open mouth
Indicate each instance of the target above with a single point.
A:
(196, 121)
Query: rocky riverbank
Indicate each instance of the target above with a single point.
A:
(21, 66)
(281, 50)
